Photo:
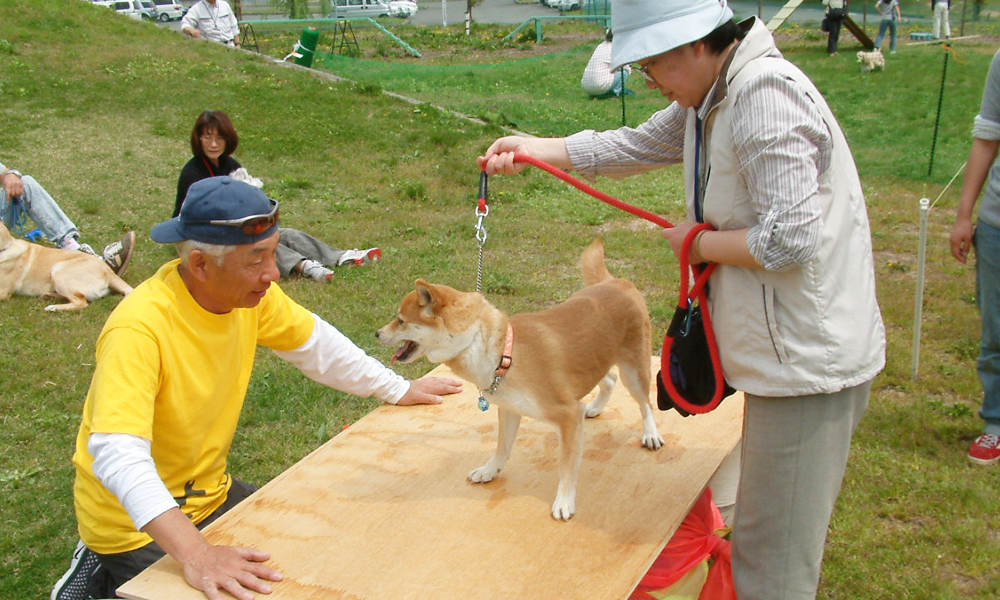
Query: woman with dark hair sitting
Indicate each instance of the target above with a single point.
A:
(213, 141)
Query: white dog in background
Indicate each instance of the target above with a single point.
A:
(871, 60)
(241, 174)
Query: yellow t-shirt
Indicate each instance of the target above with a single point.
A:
(175, 374)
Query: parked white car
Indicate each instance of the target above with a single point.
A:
(137, 9)
(403, 9)
(565, 5)
(170, 10)
(360, 8)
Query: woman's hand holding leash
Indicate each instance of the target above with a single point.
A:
(499, 157)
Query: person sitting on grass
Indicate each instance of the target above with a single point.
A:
(213, 141)
(599, 79)
(174, 361)
(22, 196)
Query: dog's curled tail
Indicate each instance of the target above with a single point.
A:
(592, 263)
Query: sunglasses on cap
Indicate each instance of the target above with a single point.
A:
(249, 225)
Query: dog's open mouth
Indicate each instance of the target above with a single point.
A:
(405, 351)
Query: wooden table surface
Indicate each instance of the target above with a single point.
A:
(383, 511)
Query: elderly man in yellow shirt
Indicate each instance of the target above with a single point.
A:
(173, 365)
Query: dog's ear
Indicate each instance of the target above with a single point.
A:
(425, 294)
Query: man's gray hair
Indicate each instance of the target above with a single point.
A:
(215, 251)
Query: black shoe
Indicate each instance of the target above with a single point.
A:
(73, 584)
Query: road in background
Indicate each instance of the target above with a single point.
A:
(510, 12)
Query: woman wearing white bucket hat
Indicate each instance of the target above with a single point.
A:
(793, 298)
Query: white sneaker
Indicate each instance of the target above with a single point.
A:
(359, 257)
(311, 268)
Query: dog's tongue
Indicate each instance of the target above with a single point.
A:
(402, 352)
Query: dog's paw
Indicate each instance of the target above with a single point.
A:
(483, 474)
(653, 441)
(563, 509)
(593, 411)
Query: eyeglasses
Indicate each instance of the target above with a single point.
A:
(249, 225)
(644, 69)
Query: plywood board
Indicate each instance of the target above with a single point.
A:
(857, 32)
(782, 15)
(383, 511)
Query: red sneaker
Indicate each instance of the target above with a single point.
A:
(985, 450)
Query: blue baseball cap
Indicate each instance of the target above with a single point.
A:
(644, 28)
(222, 211)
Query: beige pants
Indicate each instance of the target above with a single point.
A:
(794, 455)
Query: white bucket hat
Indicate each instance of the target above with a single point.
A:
(644, 28)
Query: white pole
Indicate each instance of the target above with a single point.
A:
(925, 205)
(444, 13)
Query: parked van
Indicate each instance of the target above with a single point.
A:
(360, 8)
(170, 10)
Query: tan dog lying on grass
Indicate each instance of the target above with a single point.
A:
(556, 356)
(28, 269)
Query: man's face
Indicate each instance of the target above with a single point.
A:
(244, 276)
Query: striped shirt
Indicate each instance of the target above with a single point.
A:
(782, 146)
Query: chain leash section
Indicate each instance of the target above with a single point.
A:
(482, 211)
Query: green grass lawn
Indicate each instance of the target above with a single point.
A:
(99, 108)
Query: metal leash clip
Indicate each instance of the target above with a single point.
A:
(482, 211)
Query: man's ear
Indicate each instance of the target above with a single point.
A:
(198, 264)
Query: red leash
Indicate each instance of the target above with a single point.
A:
(687, 298)
(685, 303)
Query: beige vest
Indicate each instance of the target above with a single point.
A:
(810, 328)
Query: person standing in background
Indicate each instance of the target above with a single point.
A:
(891, 15)
(213, 20)
(940, 8)
(982, 170)
(836, 10)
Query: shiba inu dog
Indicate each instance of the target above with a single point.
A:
(540, 364)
